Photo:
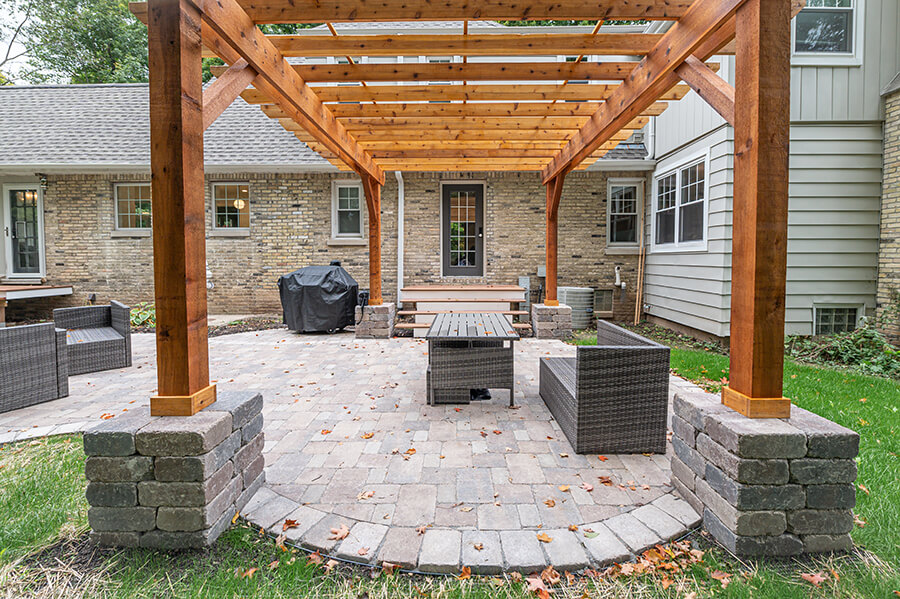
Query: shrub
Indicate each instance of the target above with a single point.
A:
(865, 349)
(143, 315)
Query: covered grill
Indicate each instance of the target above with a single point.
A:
(318, 298)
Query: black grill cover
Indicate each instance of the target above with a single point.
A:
(318, 298)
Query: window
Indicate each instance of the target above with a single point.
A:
(232, 205)
(830, 321)
(439, 60)
(346, 217)
(828, 32)
(133, 206)
(623, 221)
(680, 207)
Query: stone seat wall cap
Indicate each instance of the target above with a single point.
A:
(243, 406)
(184, 435)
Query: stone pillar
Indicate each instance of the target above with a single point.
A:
(888, 298)
(174, 482)
(772, 486)
(551, 322)
(376, 322)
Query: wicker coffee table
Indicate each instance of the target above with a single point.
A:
(469, 351)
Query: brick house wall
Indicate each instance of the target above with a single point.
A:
(290, 227)
(888, 297)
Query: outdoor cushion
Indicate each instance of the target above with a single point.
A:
(93, 335)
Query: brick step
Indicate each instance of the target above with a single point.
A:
(436, 312)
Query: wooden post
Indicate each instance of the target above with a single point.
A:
(554, 193)
(179, 244)
(759, 254)
(2, 312)
(372, 188)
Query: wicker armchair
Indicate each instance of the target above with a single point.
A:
(99, 337)
(33, 365)
(613, 397)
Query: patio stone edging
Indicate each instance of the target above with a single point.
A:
(775, 487)
(443, 550)
(174, 482)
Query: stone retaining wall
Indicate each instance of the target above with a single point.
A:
(376, 322)
(765, 486)
(551, 322)
(174, 482)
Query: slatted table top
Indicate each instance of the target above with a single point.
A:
(472, 325)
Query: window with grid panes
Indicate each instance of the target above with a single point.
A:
(348, 211)
(623, 214)
(830, 321)
(231, 205)
(133, 206)
(825, 27)
(680, 206)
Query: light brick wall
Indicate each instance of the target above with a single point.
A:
(291, 227)
(889, 250)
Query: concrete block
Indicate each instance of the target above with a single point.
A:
(748, 471)
(243, 406)
(741, 523)
(603, 546)
(199, 518)
(679, 509)
(115, 437)
(831, 497)
(111, 494)
(131, 468)
(755, 497)
(565, 552)
(694, 408)
(659, 522)
(826, 543)
(401, 547)
(249, 491)
(180, 494)
(682, 472)
(820, 522)
(688, 495)
(684, 431)
(522, 551)
(305, 517)
(318, 537)
(811, 471)
(252, 428)
(783, 545)
(244, 456)
(689, 456)
(122, 519)
(632, 532)
(116, 539)
(440, 552)
(184, 435)
(763, 438)
(362, 544)
(253, 470)
(824, 438)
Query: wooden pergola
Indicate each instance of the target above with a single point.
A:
(400, 116)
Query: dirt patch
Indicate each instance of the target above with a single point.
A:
(245, 325)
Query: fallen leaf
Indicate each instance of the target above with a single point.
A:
(815, 579)
(590, 534)
(249, 573)
(602, 458)
(496, 432)
(363, 550)
(421, 530)
(573, 527)
(563, 455)
(544, 537)
(537, 586)
(465, 574)
(338, 534)
(365, 495)
(368, 435)
(315, 558)
(389, 568)
(605, 480)
(478, 546)
(273, 565)
(550, 576)
(549, 502)
(410, 451)
(564, 488)
(289, 524)
(330, 564)
(859, 521)
(467, 508)
(325, 431)
(863, 489)
(236, 516)
(723, 577)
(515, 576)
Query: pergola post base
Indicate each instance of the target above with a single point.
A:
(756, 407)
(183, 405)
(551, 321)
(376, 322)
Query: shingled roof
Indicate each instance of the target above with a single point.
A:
(108, 127)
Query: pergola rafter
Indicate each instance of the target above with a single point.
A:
(542, 114)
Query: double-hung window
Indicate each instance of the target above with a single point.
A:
(623, 218)
(346, 213)
(133, 209)
(826, 32)
(679, 207)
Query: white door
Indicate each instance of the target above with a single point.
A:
(23, 231)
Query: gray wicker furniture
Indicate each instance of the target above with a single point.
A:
(469, 351)
(613, 397)
(33, 365)
(99, 337)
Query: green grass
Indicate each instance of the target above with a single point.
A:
(41, 494)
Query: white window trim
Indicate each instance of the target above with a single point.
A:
(244, 231)
(677, 246)
(860, 312)
(639, 184)
(6, 217)
(130, 230)
(826, 59)
(337, 237)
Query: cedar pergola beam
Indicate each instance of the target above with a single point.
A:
(225, 90)
(651, 78)
(341, 11)
(717, 92)
(233, 32)
(476, 109)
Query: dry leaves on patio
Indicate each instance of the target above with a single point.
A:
(339, 534)
(544, 537)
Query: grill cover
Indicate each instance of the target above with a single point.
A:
(318, 298)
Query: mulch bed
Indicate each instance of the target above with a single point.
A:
(246, 325)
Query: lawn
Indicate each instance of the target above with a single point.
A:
(44, 553)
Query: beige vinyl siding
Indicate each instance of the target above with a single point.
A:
(833, 230)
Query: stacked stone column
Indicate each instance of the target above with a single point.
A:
(174, 482)
(551, 322)
(775, 487)
(376, 322)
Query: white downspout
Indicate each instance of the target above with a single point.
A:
(401, 199)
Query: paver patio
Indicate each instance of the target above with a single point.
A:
(350, 440)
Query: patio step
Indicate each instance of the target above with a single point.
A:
(412, 325)
(436, 312)
(502, 300)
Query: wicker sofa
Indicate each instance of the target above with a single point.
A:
(33, 365)
(613, 397)
(98, 337)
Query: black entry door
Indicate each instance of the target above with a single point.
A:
(23, 231)
(463, 230)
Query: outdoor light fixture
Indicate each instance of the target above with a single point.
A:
(44, 183)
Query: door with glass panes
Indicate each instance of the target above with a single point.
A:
(463, 230)
(22, 231)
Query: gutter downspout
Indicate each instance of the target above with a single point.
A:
(401, 200)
